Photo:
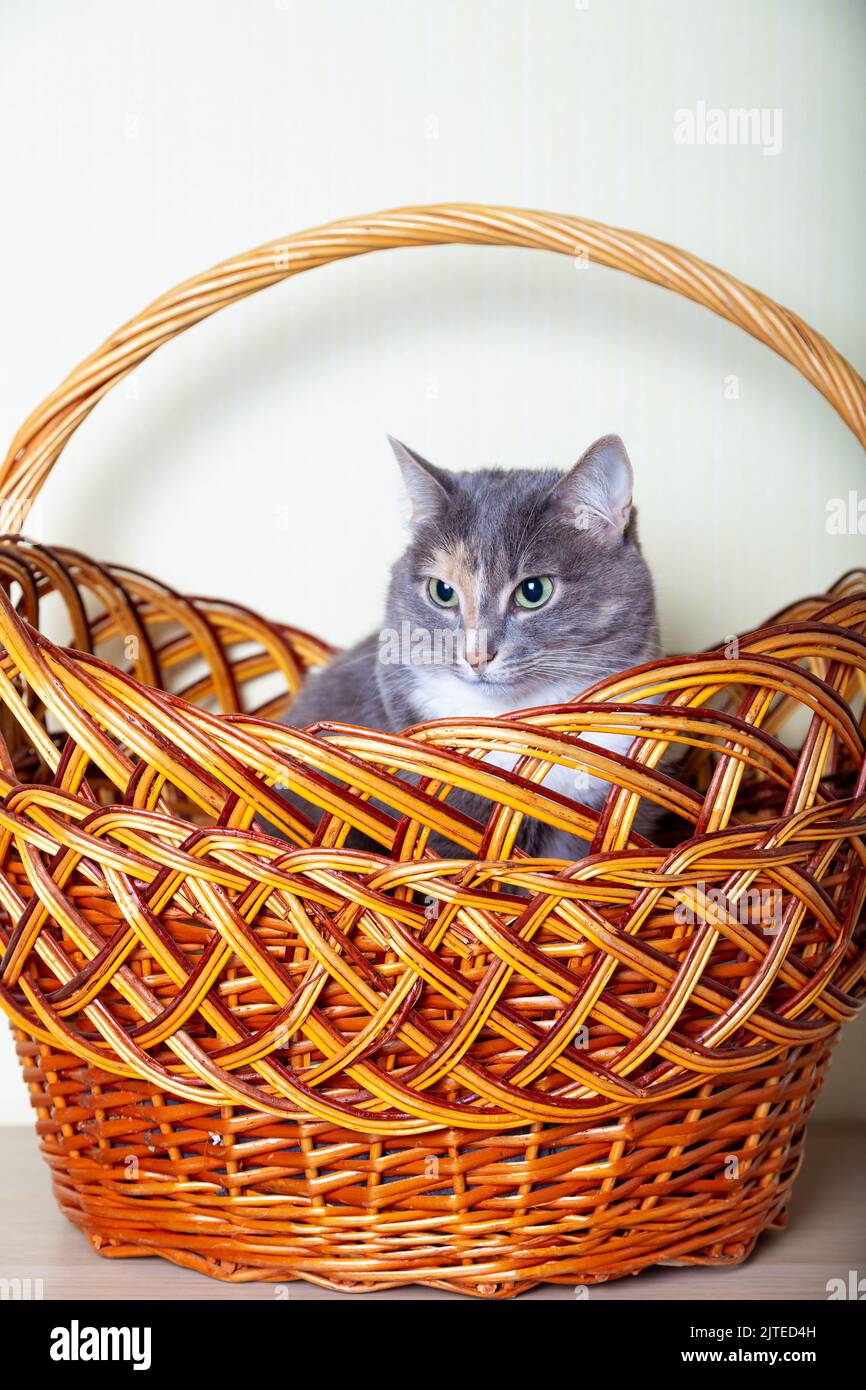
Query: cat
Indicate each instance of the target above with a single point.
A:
(519, 587)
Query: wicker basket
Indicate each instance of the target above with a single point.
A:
(363, 1069)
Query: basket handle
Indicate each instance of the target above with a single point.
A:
(43, 435)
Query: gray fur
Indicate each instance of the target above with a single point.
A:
(496, 527)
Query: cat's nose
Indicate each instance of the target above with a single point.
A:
(479, 657)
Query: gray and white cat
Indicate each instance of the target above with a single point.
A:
(518, 588)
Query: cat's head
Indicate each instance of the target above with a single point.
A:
(521, 581)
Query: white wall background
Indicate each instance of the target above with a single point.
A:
(143, 142)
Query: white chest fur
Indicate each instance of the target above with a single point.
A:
(439, 694)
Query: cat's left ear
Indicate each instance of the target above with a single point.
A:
(597, 491)
(426, 485)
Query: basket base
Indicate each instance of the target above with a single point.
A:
(242, 1197)
(566, 1267)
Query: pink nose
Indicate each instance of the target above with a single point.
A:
(480, 657)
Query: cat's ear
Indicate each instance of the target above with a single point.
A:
(597, 491)
(426, 485)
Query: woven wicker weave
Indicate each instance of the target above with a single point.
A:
(372, 1069)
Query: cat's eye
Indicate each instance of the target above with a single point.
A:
(441, 593)
(533, 593)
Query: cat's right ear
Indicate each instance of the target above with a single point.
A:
(426, 485)
(597, 491)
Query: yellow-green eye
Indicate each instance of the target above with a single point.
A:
(533, 593)
(441, 593)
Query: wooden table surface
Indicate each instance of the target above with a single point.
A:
(825, 1239)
